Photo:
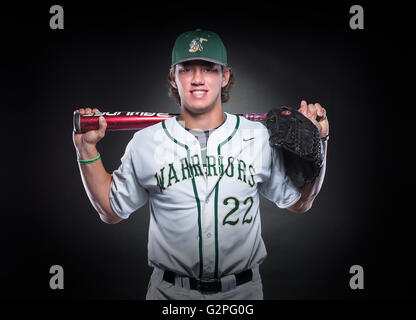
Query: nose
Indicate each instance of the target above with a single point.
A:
(197, 78)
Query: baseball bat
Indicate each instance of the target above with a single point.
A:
(132, 120)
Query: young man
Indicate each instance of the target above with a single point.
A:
(202, 184)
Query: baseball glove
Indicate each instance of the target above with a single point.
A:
(299, 142)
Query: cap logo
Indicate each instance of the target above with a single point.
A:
(196, 44)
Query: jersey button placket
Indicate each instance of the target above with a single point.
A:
(208, 238)
(194, 149)
(209, 217)
(201, 184)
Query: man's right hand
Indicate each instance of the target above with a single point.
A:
(85, 143)
(96, 180)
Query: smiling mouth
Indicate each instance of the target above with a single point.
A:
(199, 93)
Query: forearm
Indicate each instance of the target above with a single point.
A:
(97, 183)
(311, 190)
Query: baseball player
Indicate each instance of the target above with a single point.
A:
(202, 174)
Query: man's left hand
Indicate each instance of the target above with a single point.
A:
(317, 114)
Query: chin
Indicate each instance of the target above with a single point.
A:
(199, 108)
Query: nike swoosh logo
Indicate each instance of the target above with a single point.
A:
(248, 139)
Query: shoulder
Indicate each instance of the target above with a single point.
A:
(148, 131)
(245, 123)
(256, 127)
(146, 136)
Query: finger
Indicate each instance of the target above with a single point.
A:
(311, 111)
(303, 107)
(87, 110)
(81, 111)
(323, 113)
(102, 126)
(318, 109)
(95, 110)
(322, 117)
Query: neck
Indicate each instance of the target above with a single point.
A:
(202, 121)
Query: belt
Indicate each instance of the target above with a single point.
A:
(210, 285)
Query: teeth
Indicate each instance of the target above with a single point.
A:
(198, 92)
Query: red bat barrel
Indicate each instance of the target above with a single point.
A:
(131, 120)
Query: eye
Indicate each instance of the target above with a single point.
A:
(185, 70)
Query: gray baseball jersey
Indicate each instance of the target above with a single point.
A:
(204, 215)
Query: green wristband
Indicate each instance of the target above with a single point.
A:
(90, 160)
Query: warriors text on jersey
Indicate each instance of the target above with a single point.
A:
(204, 203)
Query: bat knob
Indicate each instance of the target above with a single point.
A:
(77, 122)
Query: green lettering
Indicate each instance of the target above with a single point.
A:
(252, 172)
(242, 171)
(211, 165)
(186, 168)
(195, 165)
(172, 175)
(160, 180)
(230, 167)
(220, 165)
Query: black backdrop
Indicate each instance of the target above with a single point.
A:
(116, 57)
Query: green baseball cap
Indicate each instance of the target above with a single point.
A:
(199, 45)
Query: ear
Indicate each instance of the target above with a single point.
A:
(225, 77)
(172, 78)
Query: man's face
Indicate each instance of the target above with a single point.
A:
(199, 84)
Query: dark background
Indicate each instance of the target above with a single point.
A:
(116, 57)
